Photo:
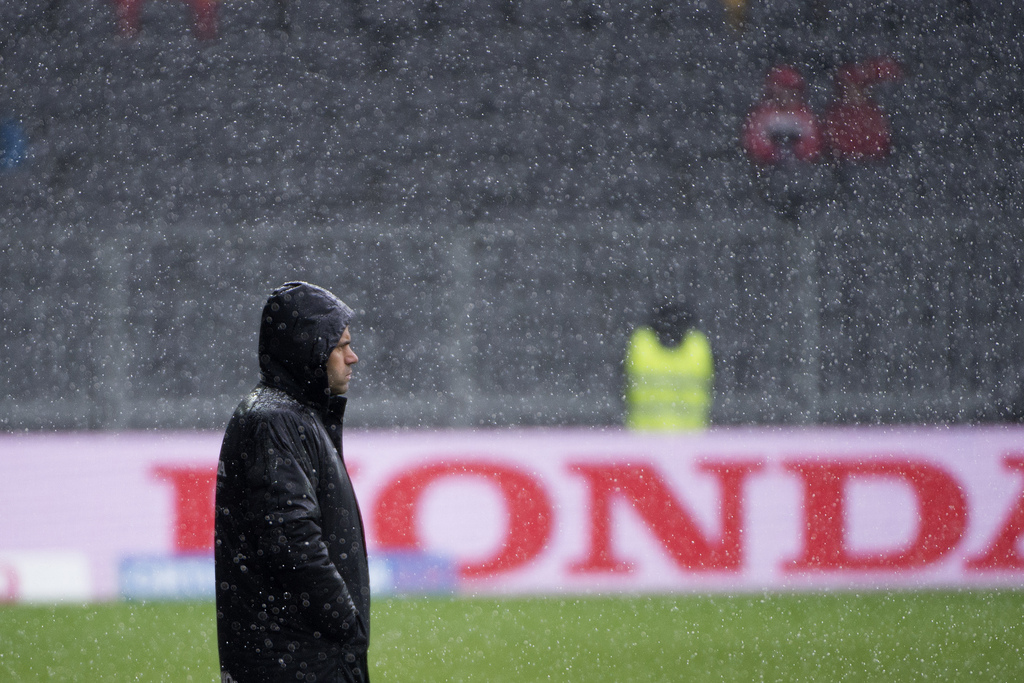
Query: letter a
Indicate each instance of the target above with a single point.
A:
(1002, 554)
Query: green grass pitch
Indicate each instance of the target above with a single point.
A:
(871, 636)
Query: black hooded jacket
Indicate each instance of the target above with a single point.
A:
(293, 592)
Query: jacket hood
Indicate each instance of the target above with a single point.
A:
(784, 77)
(301, 325)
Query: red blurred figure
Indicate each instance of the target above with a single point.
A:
(782, 127)
(856, 128)
(204, 12)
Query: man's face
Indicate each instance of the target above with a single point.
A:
(339, 364)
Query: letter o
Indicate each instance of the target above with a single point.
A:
(527, 505)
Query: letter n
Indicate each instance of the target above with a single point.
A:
(667, 518)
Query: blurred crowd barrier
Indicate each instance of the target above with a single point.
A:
(517, 324)
(502, 190)
(545, 511)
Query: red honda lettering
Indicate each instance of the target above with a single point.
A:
(667, 518)
(1003, 554)
(10, 586)
(194, 490)
(942, 511)
(526, 503)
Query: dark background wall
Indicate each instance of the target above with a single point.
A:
(501, 190)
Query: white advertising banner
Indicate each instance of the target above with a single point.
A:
(544, 511)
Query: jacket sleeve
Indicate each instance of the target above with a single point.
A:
(808, 147)
(756, 142)
(290, 534)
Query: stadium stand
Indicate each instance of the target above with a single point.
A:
(502, 199)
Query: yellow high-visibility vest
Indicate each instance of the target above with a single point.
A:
(668, 389)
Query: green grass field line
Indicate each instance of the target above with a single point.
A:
(872, 636)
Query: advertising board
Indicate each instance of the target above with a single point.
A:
(545, 511)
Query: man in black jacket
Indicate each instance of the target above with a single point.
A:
(293, 591)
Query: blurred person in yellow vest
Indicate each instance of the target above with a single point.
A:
(736, 13)
(669, 373)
